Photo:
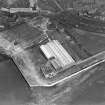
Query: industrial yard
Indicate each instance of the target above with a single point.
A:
(52, 52)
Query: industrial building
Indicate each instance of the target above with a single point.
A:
(58, 58)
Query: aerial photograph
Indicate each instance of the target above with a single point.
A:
(52, 52)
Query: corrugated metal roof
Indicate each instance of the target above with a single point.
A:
(56, 50)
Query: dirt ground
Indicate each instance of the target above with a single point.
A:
(14, 90)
